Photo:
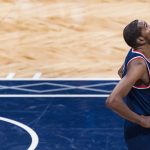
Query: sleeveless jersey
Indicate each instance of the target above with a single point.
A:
(138, 100)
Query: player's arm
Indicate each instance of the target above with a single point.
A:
(136, 70)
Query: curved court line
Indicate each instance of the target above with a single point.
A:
(33, 135)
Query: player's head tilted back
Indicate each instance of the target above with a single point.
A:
(131, 32)
(137, 33)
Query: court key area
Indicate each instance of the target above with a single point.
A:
(63, 114)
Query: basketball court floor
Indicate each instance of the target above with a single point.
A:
(65, 114)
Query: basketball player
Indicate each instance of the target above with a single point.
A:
(131, 97)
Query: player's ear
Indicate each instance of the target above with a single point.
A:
(141, 40)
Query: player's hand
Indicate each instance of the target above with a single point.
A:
(145, 121)
(120, 71)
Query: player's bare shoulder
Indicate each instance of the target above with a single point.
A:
(137, 70)
(138, 63)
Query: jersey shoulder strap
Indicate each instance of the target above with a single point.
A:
(132, 55)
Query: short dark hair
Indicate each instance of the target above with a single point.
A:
(131, 32)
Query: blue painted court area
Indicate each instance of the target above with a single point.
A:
(58, 115)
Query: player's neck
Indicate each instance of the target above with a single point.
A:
(145, 50)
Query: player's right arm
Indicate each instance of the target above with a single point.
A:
(135, 71)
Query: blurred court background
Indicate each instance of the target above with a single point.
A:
(65, 38)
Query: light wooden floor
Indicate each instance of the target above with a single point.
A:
(65, 38)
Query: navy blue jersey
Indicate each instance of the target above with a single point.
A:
(138, 100)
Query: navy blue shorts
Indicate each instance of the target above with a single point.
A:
(136, 137)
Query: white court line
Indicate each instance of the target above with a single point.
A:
(63, 79)
(66, 87)
(34, 137)
(10, 76)
(37, 76)
(53, 95)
